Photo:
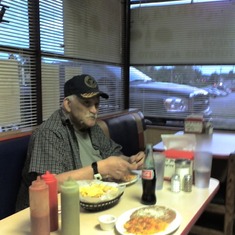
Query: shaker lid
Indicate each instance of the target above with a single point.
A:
(175, 177)
(38, 184)
(182, 162)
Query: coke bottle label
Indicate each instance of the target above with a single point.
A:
(148, 174)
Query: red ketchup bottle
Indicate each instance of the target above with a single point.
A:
(39, 207)
(51, 181)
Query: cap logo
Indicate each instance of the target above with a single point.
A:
(90, 82)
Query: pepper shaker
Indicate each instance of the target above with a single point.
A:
(182, 168)
(188, 183)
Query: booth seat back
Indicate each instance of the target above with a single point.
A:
(12, 157)
(127, 129)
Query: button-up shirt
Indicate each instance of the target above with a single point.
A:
(53, 147)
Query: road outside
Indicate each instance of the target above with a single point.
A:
(225, 108)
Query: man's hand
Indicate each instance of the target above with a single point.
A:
(117, 167)
(138, 159)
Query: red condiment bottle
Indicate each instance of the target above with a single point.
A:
(39, 207)
(51, 181)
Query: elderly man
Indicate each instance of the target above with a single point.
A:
(71, 144)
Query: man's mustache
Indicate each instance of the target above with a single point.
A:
(93, 116)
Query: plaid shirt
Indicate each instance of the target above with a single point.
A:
(53, 147)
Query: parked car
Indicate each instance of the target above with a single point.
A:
(216, 91)
(224, 89)
(168, 101)
(213, 92)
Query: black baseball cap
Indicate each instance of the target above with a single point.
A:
(83, 86)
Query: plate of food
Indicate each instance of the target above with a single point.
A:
(129, 179)
(151, 220)
(96, 195)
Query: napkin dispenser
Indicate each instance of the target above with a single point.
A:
(178, 147)
(171, 156)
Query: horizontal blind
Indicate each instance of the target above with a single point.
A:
(14, 28)
(171, 46)
(81, 37)
(17, 63)
(93, 29)
(200, 33)
(9, 87)
(51, 26)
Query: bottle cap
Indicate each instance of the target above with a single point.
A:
(48, 177)
(38, 184)
(70, 185)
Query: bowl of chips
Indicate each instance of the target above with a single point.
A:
(96, 195)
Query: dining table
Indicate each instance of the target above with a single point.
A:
(188, 205)
(220, 143)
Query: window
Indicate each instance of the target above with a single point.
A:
(72, 37)
(186, 54)
(80, 37)
(17, 68)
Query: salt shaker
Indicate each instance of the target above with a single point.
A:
(175, 183)
(182, 168)
(51, 181)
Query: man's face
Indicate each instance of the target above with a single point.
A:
(83, 112)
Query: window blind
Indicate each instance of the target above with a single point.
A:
(81, 37)
(44, 43)
(17, 67)
(174, 46)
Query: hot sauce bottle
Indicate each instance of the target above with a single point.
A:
(70, 208)
(51, 181)
(39, 207)
(149, 178)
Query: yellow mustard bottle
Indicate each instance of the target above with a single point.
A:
(70, 208)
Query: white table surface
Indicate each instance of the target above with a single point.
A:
(220, 143)
(189, 205)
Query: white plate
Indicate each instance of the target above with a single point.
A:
(131, 181)
(126, 216)
(123, 183)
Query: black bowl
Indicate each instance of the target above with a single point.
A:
(101, 205)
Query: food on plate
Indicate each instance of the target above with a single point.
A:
(129, 177)
(160, 212)
(124, 179)
(96, 190)
(149, 220)
(145, 225)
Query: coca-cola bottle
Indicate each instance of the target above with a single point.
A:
(149, 178)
